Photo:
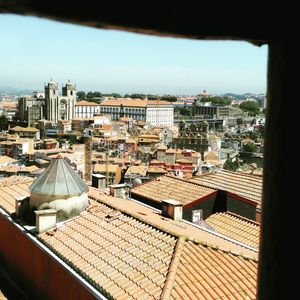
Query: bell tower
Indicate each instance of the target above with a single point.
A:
(69, 94)
(51, 100)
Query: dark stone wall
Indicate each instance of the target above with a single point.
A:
(206, 205)
(241, 208)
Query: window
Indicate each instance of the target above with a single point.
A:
(197, 216)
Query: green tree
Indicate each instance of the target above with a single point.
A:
(169, 98)
(3, 122)
(251, 107)
(152, 97)
(81, 95)
(89, 95)
(231, 165)
(219, 101)
(249, 147)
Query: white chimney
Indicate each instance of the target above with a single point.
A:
(45, 219)
(119, 190)
(172, 209)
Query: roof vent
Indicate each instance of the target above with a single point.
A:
(172, 209)
(98, 181)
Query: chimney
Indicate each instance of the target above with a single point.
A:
(21, 205)
(172, 209)
(45, 219)
(119, 190)
(98, 181)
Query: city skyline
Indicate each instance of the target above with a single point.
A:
(35, 50)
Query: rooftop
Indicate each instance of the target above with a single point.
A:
(86, 103)
(236, 227)
(129, 251)
(128, 102)
(122, 249)
(141, 170)
(6, 159)
(99, 168)
(243, 185)
(170, 187)
(23, 129)
(12, 188)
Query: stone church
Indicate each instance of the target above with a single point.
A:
(49, 105)
(59, 107)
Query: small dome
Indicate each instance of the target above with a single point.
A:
(59, 179)
(59, 188)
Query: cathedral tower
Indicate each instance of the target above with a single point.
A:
(59, 107)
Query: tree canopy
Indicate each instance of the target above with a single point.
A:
(81, 95)
(249, 147)
(251, 107)
(216, 100)
(3, 122)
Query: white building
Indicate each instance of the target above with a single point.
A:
(155, 112)
(86, 109)
(9, 109)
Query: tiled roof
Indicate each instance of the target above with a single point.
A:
(169, 187)
(6, 159)
(12, 180)
(211, 156)
(86, 103)
(157, 170)
(142, 170)
(238, 228)
(16, 169)
(126, 257)
(243, 185)
(11, 190)
(207, 273)
(24, 129)
(125, 102)
(123, 256)
(103, 168)
(170, 151)
(175, 228)
(128, 102)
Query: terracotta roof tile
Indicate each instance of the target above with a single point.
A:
(243, 185)
(238, 228)
(129, 258)
(169, 187)
(86, 103)
(207, 273)
(9, 191)
(175, 228)
(128, 102)
(124, 256)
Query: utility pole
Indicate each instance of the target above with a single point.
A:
(88, 157)
(106, 169)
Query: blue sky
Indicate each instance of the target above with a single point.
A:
(34, 50)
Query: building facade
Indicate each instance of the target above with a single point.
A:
(49, 105)
(155, 112)
(86, 109)
(59, 107)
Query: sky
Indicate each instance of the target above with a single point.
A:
(34, 50)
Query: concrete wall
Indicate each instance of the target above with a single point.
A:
(38, 274)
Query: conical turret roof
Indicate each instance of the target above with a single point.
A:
(59, 179)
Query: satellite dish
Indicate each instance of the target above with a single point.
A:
(136, 182)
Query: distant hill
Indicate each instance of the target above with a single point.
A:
(244, 96)
(236, 96)
(14, 91)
